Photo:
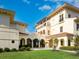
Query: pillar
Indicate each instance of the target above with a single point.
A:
(39, 43)
(59, 44)
(32, 43)
(65, 41)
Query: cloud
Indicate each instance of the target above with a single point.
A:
(58, 2)
(45, 7)
(26, 1)
(77, 1)
(1, 6)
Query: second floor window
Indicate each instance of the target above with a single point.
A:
(45, 24)
(48, 32)
(61, 18)
(69, 15)
(43, 31)
(61, 29)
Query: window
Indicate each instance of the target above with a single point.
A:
(61, 18)
(69, 42)
(61, 29)
(69, 16)
(45, 24)
(48, 32)
(62, 42)
(43, 31)
(13, 41)
(77, 26)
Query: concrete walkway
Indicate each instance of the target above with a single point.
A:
(69, 51)
(52, 49)
(41, 48)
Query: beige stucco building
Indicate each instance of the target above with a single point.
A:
(62, 24)
(11, 31)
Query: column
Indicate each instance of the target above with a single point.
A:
(65, 41)
(32, 43)
(59, 44)
(39, 43)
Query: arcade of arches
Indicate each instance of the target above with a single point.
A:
(33, 43)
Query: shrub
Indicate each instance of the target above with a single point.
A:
(14, 49)
(22, 49)
(1, 50)
(69, 48)
(26, 45)
(22, 46)
(6, 49)
(28, 49)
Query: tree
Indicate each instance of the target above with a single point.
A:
(55, 43)
(77, 41)
(77, 44)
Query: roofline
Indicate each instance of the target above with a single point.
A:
(17, 22)
(9, 11)
(62, 34)
(66, 5)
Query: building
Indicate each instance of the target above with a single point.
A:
(12, 33)
(61, 25)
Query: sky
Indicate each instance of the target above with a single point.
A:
(32, 11)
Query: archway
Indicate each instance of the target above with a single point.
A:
(35, 43)
(29, 42)
(22, 42)
(51, 43)
(42, 43)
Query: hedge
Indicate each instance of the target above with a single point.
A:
(69, 48)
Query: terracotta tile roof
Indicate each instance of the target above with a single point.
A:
(8, 12)
(62, 34)
(17, 22)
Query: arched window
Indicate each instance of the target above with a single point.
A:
(29, 42)
(35, 43)
(69, 15)
(42, 43)
(62, 42)
(22, 42)
(50, 43)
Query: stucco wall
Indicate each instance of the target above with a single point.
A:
(6, 37)
(4, 20)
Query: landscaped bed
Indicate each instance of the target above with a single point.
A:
(45, 54)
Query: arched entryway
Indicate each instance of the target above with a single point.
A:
(42, 43)
(29, 42)
(22, 42)
(51, 43)
(35, 43)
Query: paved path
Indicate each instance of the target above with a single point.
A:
(41, 48)
(69, 51)
(52, 49)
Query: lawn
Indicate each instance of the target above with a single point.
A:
(46, 54)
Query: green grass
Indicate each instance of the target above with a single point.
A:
(46, 54)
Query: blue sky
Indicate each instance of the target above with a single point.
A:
(32, 11)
